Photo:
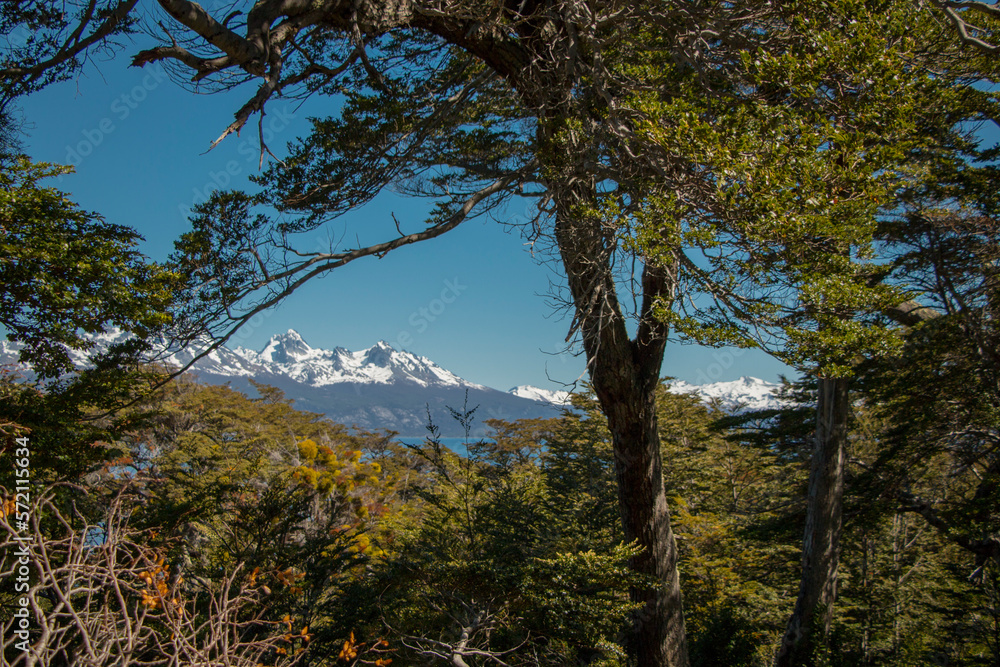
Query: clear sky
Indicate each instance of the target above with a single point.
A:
(472, 300)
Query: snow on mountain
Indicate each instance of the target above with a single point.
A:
(543, 395)
(747, 393)
(286, 348)
(290, 356)
(378, 387)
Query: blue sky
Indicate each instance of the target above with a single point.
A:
(472, 300)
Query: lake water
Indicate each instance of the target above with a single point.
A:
(457, 445)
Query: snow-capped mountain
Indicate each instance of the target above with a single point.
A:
(378, 387)
(287, 354)
(543, 395)
(747, 393)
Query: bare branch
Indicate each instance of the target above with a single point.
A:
(293, 276)
(956, 13)
(99, 595)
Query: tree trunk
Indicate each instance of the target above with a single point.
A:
(821, 542)
(657, 636)
(625, 373)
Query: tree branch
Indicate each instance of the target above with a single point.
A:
(73, 45)
(319, 263)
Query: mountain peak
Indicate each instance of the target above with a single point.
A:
(290, 336)
(379, 354)
(289, 356)
(286, 348)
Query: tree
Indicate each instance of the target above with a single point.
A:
(939, 457)
(67, 276)
(475, 104)
(99, 593)
(592, 82)
(975, 22)
(46, 42)
(792, 240)
(500, 562)
(287, 502)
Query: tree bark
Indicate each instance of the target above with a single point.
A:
(624, 373)
(658, 634)
(821, 542)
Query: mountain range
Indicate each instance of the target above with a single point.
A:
(742, 395)
(381, 387)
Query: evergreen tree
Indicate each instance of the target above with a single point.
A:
(66, 276)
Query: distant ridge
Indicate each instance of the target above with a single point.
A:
(544, 395)
(381, 387)
(378, 387)
(745, 394)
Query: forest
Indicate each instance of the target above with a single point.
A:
(814, 179)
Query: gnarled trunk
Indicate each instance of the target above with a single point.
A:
(821, 542)
(624, 373)
(657, 636)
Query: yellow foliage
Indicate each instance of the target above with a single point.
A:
(350, 651)
(157, 593)
(9, 507)
(289, 577)
(362, 543)
(326, 456)
(325, 484)
(150, 600)
(308, 450)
